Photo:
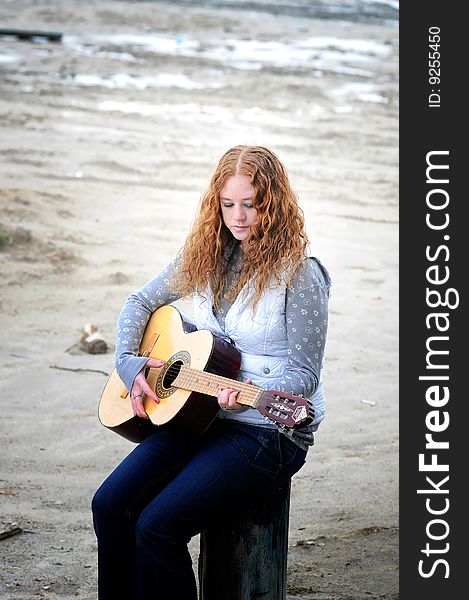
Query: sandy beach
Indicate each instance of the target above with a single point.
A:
(107, 140)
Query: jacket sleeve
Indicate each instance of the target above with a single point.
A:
(133, 319)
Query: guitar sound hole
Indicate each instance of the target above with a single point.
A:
(171, 374)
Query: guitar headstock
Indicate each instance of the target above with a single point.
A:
(285, 409)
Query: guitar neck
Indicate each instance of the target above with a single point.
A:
(210, 384)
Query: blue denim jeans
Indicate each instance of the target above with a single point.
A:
(169, 489)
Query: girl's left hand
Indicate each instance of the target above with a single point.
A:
(227, 398)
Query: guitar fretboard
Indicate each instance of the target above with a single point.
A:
(208, 383)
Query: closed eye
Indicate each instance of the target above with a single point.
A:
(230, 204)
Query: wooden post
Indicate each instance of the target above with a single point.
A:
(246, 559)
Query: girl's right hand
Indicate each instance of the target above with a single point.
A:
(141, 388)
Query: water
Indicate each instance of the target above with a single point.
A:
(358, 11)
(352, 57)
(315, 54)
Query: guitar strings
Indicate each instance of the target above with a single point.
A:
(187, 375)
(202, 379)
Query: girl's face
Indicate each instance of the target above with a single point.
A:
(237, 207)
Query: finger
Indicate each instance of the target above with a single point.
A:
(154, 362)
(232, 399)
(223, 396)
(138, 409)
(227, 398)
(141, 386)
(228, 390)
(223, 401)
(146, 389)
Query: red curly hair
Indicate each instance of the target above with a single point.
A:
(278, 240)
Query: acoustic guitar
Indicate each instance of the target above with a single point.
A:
(198, 364)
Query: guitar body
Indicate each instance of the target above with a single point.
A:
(167, 337)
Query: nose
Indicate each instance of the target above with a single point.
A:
(239, 214)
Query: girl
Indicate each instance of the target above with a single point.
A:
(245, 263)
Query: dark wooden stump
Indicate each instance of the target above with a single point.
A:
(247, 558)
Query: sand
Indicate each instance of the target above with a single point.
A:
(107, 140)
